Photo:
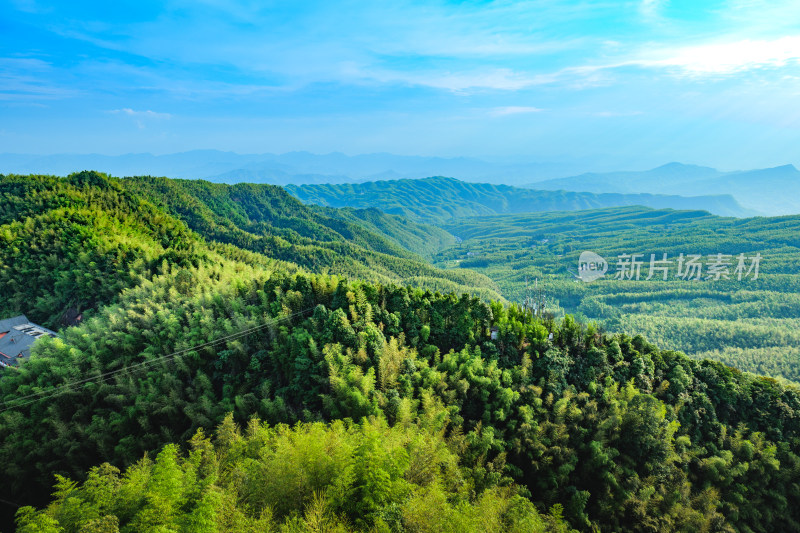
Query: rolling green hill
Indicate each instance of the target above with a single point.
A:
(751, 324)
(419, 238)
(350, 405)
(406, 416)
(69, 245)
(435, 200)
(267, 220)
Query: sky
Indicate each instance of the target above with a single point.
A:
(632, 84)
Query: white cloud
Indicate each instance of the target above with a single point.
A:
(652, 8)
(28, 79)
(502, 79)
(141, 114)
(725, 58)
(513, 110)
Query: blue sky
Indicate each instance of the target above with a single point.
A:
(632, 84)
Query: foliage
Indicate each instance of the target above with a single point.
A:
(422, 239)
(437, 200)
(69, 245)
(312, 477)
(624, 436)
(429, 423)
(267, 220)
(751, 324)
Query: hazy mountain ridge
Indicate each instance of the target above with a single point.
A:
(773, 191)
(760, 190)
(671, 174)
(438, 199)
(305, 167)
(279, 169)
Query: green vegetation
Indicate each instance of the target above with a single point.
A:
(620, 433)
(267, 220)
(750, 324)
(314, 477)
(437, 200)
(422, 239)
(68, 245)
(379, 406)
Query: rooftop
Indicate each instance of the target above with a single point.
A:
(17, 334)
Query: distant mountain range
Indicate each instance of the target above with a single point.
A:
(438, 199)
(772, 191)
(292, 167)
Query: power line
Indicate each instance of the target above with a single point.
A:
(10, 503)
(66, 386)
(32, 398)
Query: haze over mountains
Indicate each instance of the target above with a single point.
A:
(769, 191)
(295, 167)
(772, 191)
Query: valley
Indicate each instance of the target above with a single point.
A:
(236, 311)
(399, 267)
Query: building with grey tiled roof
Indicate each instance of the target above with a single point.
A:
(17, 334)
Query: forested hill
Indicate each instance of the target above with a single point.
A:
(71, 244)
(267, 220)
(422, 239)
(452, 431)
(341, 404)
(751, 324)
(435, 200)
(227, 212)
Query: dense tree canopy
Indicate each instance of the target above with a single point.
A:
(751, 323)
(379, 405)
(439, 199)
(313, 477)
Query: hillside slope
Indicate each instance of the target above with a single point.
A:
(411, 410)
(70, 245)
(419, 238)
(437, 199)
(624, 436)
(267, 220)
(750, 323)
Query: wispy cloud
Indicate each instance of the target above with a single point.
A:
(651, 9)
(24, 79)
(140, 118)
(513, 110)
(712, 59)
(394, 69)
(141, 114)
(502, 79)
(725, 57)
